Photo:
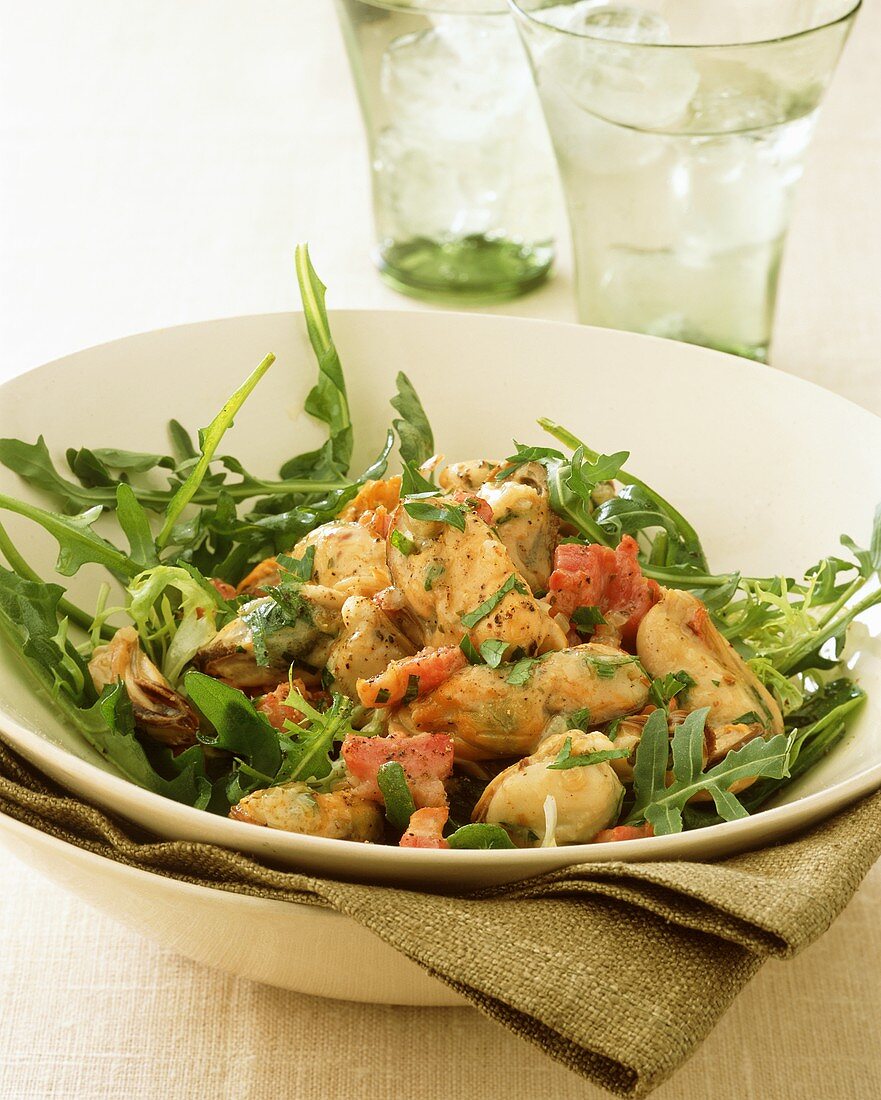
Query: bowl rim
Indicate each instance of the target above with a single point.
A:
(814, 806)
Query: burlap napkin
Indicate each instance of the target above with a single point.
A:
(618, 970)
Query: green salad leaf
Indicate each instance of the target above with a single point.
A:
(327, 400)
(399, 804)
(480, 835)
(661, 803)
(512, 584)
(565, 760)
(209, 439)
(413, 428)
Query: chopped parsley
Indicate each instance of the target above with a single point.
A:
(606, 667)
(580, 719)
(401, 543)
(665, 688)
(748, 719)
(565, 760)
(298, 569)
(511, 585)
(490, 652)
(441, 512)
(521, 671)
(412, 689)
(586, 619)
(431, 575)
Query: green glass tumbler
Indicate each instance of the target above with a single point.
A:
(680, 128)
(463, 172)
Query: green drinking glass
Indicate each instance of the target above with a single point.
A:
(463, 171)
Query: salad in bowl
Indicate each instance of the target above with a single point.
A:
(491, 651)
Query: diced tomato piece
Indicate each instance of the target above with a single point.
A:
(427, 760)
(411, 677)
(482, 507)
(228, 591)
(276, 709)
(598, 576)
(426, 829)
(624, 832)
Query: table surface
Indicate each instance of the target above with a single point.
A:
(158, 162)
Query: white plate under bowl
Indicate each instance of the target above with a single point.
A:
(301, 947)
(770, 470)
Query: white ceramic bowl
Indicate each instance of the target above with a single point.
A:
(769, 468)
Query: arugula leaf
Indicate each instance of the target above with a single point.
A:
(283, 529)
(308, 750)
(33, 463)
(327, 400)
(181, 441)
(109, 727)
(685, 546)
(661, 804)
(105, 466)
(399, 804)
(77, 542)
(209, 440)
(22, 569)
(512, 584)
(415, 484)
(135, 526)
(451, 514)
(565, 760)
(29, 618)
(414, 430)
(480, 835)
(239, 727)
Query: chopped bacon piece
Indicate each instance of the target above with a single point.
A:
(624, 832)
(482, 507)
(379, 521)
(228, 591)
(276, 709)
(427, 760)
(411, 677)
(426, 829)
(597, 576)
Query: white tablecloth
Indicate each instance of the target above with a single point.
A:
(157, 164)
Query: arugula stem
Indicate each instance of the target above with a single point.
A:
(210, 440)
(687, 532)
(834, 608)
(63, 529)
(18, 565)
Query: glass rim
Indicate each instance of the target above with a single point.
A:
(518, 9)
